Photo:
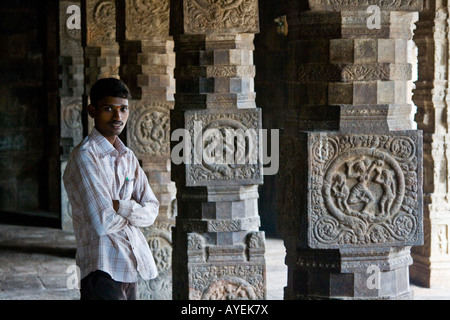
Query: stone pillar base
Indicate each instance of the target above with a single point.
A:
(211, 278)
(355, 236)
(342, 275)
(427, 274)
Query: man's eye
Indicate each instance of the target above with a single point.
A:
(124, 109)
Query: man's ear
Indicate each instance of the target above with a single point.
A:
(91, 110)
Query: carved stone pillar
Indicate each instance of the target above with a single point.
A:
(148, 62)
(351, 167)
(101, 50)
(432, 261)
(218, 248)
(71, 88)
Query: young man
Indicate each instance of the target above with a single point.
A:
(111, 199)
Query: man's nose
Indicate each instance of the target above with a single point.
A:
(116, 114)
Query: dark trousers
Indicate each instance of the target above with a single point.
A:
(99, 285)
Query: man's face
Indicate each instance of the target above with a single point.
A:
(110, 116)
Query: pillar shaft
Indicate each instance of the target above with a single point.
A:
(351, 174)
(101, 49)
(432, 260)
(218, 247)
(147, 65)
(71, 89)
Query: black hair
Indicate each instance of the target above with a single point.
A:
(109, 87)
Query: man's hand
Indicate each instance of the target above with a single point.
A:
(116, 205)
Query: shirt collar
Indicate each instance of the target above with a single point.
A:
(105, 146)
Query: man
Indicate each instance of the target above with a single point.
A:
(111, 199)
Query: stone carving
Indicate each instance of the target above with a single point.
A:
(365, 190)
(442, 239)
(256, 240)
(227, 16)
(160, 244)
(350, 73)
(151, 125)
(147, 18)
(220, 225)
(71, 125)
(225, 282)
(400, 5)
(216, 170)
(101, 18)
(229, 289)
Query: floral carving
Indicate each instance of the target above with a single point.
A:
(147, 18)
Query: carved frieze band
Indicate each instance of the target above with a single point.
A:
(366, 190)
(350, 73)
(203, 226)
(216, 72)
(220, 16)
(339, 5)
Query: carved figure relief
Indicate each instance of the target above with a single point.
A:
(216, 158)
(443, 242)
(151, 125)
(364, 190)
(221, 15)
(71, 126)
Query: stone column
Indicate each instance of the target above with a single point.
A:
(71, 89)
(351, 165)
(218, 248)
(432, 261)
(147, 65)
(101, 49)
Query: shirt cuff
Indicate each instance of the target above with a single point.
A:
(125, 208)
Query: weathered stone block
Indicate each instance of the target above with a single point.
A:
(341, 51)
(366, 51)
(340, 93)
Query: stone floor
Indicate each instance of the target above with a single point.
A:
(35, 264)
